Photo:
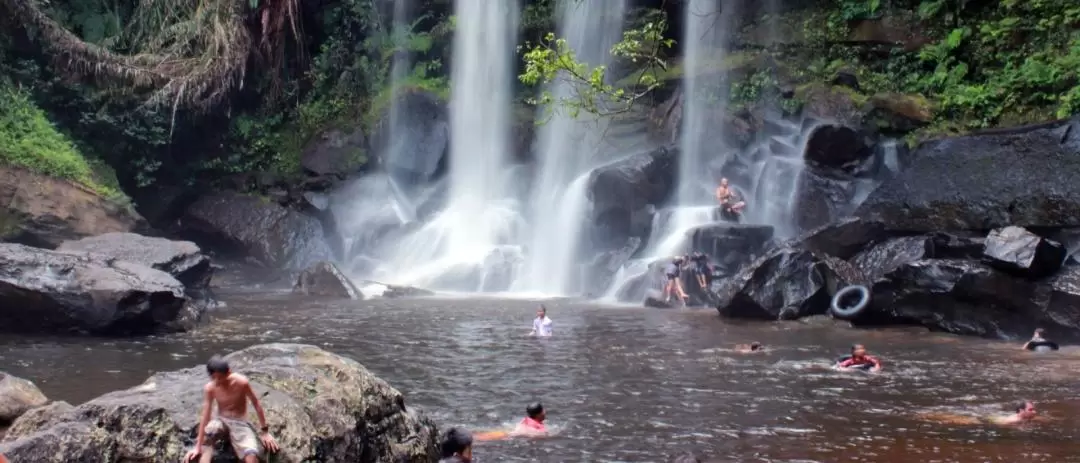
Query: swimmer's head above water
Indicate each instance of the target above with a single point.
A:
(536, 412)
(1025, 410)
(456, 443)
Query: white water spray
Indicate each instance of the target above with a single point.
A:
(458, 248)
(567, 150)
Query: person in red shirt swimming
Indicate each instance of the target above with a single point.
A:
(533, 423)
(860, 360)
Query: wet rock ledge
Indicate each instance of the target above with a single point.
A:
(320, 407)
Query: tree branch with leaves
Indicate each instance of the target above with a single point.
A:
(551, 59)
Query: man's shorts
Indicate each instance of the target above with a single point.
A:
(241, 434)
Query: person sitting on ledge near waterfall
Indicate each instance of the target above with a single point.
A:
(231, 392)
(729, 201)
(674, 284)
(541, 324)
(456, 446)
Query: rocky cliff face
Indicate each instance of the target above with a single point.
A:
(43, 211)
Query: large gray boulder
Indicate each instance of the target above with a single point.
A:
(44, 291)
(1023, 176)
(334, 152)
(17, 396)
(413, 141)
(1019, 251)
(625, 193)
(320, 407)
(181, 259)
(325, 279)
(253, 227)
(972, 298)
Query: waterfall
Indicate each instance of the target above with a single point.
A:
(469, 244)
(399, 69)
(568, 148)
(481, 213)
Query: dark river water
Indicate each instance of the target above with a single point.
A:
(630, 384)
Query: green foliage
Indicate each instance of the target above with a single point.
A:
(350, 80)
(29, 140)
(989, 63)
(552, 58)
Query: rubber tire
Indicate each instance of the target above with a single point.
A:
(853, 311)
(1051, 344)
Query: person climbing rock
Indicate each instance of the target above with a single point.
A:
(674, 283)
(231, 393)
(701, 269)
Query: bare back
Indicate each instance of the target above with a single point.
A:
(230, 396)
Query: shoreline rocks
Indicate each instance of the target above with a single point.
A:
(17, 396)
(44, 291)
(319, 406)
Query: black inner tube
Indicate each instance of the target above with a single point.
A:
(1037, 344)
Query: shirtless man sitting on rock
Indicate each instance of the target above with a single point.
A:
(728, 199)
(231, 392)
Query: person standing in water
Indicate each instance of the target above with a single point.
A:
(728, 199)
(456, 446)
(231, 392)
(541, 324)
(533, 423)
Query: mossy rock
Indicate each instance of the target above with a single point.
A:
(896, 113)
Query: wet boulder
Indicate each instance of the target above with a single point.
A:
(832, 149)
(598, 273)
(396, 291)
(1063, 307)
(819, 200)
(843, 238)
(897, 114)
(1016, 250)
(45, 291)
(325, 279)
(958, 296)
(184, 260)
(17, 396)
(414, 140)
(882, 258)
(1022, 176)
(730, 246)
(785, 284)
(43, 211)
(248, 226)
(334, 152)
(319, 407)
(624, 193)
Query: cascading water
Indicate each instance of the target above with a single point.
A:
(399, 67)
(472, 237)
(704, 73)
(567, 150)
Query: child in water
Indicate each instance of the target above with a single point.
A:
(531, 426)
(533, 423)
